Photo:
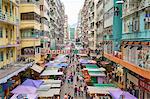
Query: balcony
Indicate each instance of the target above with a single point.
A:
(139, 36)
(7, 18)
(25, 24)
(31, 6)
(136, 69)
(30, 42)
(8, 43)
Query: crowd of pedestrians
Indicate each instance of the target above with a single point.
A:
(74, 81)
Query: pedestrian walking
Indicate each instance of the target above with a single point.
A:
(65, 96)
(69, 96)
(81, 91)
(75, 91)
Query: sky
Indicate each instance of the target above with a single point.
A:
(72, 8)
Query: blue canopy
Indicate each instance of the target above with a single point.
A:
(63, 64)
(33, 83)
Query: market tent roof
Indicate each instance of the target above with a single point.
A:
(49, 93)
(37, 68)
(46, 87)
(51, 81)
(26, 96)
(21, 89)
(95, 69)
(116, 94)
(100, 90)
(96, 74)
(33, 83)
(104, 85)
(51, 72)
(91, 66)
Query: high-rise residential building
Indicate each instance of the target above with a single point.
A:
(66, 29)
(78, 28)
(123, 33)
(9, 32)
(99, 23)
(72, 33)
(108, 23)
(30, 27)
(84, 23)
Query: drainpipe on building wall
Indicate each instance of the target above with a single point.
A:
(117, 26)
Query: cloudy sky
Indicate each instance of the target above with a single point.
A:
(72, 8)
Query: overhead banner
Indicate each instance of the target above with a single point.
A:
(48, 51)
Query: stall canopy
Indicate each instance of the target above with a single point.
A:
(95, 69)
(24, 96)
(100, 90)
(51, 81)
(116, 94)
(91, 66)
(96, 74)
(49, 93)
(51, 72)
(83, 61)
(37, 68)
(33, 83)
(21, 89)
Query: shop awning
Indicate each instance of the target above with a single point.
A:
(51, 72)
(49, 93)
(13, 70)
(24, 96)
(37, 68)
(100, 90)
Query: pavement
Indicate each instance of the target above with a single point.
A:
(69, 88)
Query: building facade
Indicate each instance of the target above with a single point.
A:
(30, 27)
(9, 32)
(66, 30)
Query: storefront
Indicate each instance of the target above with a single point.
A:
(144, 85)
(131, 83)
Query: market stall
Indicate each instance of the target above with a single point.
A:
(102, 92)
(119, 94)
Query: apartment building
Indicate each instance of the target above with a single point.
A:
(9, 32)
(66, 30)
(84, 23)
(133, 56)
(30, 27)
(99, 23)
(108, 25)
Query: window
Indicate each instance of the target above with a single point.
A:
(1, 32)
(11, 53)
(41, 7)
(7, 55)
(1, 56)
(6, 33)
(147, 20)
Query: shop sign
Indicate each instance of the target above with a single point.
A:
(48, 51)
(144, 85)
